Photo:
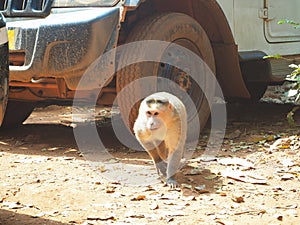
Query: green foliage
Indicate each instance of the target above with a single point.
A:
(294, 77)
(277, 56)
(290, 116)
(291, 22)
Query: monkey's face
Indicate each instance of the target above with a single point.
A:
(154, 121)
(156, 115)
(157, 111)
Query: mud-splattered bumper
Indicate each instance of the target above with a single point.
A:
(61, 45)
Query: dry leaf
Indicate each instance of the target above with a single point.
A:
(170, 219)
(234, 135)
(253, 212)
(223, 194)
(188, 198)
(154, 206)
(187, 186)
(12, 205)
(194, 171)
(236, 161)
(211, 177)
(282, 143)
(2, 199)
(102, 168)
(222, 223)
(173, 213)
(201, 189)
(110, 190)
(102, 218)
(238, 199)
(244, 177)
(279, 217)
(294, 206)
(138, 198)
(287, 162)
(133, 214)
(68, 158)
(41, 214)
(287, 177)
(206, 158)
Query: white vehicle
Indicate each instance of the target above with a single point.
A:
(53, 42)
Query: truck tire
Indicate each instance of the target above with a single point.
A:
(171, 27)
(16, 113)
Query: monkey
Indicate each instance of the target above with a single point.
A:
(161, 129)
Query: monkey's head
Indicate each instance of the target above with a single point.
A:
(158, 111)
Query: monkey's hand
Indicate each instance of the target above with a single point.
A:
(172, 183)
(144, 134)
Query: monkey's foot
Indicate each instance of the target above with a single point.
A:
(172, 183)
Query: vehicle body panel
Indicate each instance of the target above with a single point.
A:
(254, 25)
(281, 10)
(4, 71)
(62, 45)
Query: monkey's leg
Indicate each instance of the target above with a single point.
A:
(174, 162)
(160, 165)
(153, 151)
(162, 151)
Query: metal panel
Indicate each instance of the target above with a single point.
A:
(279, 10)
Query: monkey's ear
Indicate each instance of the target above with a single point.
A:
(170, 106)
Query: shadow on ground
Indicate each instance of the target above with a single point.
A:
(12, 218)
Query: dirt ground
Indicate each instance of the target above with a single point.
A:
(254, 178)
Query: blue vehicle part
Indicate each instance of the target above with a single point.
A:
(132, 3)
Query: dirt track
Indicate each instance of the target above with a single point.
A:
(45, 179)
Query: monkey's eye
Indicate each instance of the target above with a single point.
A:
(156, 113)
